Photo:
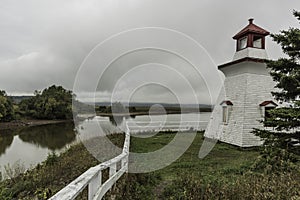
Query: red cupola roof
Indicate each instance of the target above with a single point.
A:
(251, 28)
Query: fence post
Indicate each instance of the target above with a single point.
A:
(112, 169)
(94, 185)
(124, 163)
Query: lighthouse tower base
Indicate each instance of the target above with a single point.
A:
(246, 86)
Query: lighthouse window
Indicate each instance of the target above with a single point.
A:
(267, 112)
(225, 110)
(257, 42)
(266, 107)
(268, 115)
(243, 43)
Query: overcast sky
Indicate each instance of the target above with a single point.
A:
(44, 42)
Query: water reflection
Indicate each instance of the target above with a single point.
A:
(5, 142)
(116, 120)
(53, 137)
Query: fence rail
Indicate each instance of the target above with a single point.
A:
(139, 127)
(92, 178)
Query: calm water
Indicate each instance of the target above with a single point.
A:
(31, 145)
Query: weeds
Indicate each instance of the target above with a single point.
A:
(10, 172)
(52, 158)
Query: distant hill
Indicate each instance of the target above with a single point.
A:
(18, 99)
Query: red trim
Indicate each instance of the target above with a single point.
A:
(250, 40)
(251, 28)
(267, 103)
(228, 103)
(250, 31)
(263, 43)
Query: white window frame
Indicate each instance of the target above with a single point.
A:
(240, 43)
(259, 41)
(226, 110)
(225, 114)
(263, 109)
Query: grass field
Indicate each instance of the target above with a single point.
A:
(220, 161)
(224, 174)
(224, 163)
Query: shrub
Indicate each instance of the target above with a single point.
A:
(52, 158)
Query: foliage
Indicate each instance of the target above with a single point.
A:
(52, 158)
(54, 102)
(140, 186)
(6, 108)
(275, 161)
(15, 170)
(248, 186)
(285, 121)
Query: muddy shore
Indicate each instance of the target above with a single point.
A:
(27, 123)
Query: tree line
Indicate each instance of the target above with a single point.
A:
(54, 102)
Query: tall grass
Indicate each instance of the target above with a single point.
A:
(14, 170)
(247, 186)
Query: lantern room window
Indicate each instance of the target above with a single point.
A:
(242, 43)
(257, 42)
(251, 36)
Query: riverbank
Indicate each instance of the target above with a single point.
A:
(17, 124)
(53, 174)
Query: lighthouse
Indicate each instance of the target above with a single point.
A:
(246, 97)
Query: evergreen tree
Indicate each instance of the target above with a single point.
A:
(285, 120)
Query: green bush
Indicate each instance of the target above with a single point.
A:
(275, 160)
(52, 158)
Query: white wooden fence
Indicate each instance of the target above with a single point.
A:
(155, 126)
(92, 178)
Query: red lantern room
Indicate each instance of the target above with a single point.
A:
(251, 36)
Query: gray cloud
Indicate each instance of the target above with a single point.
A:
(45, 42)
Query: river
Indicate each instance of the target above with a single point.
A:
(32, 145)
